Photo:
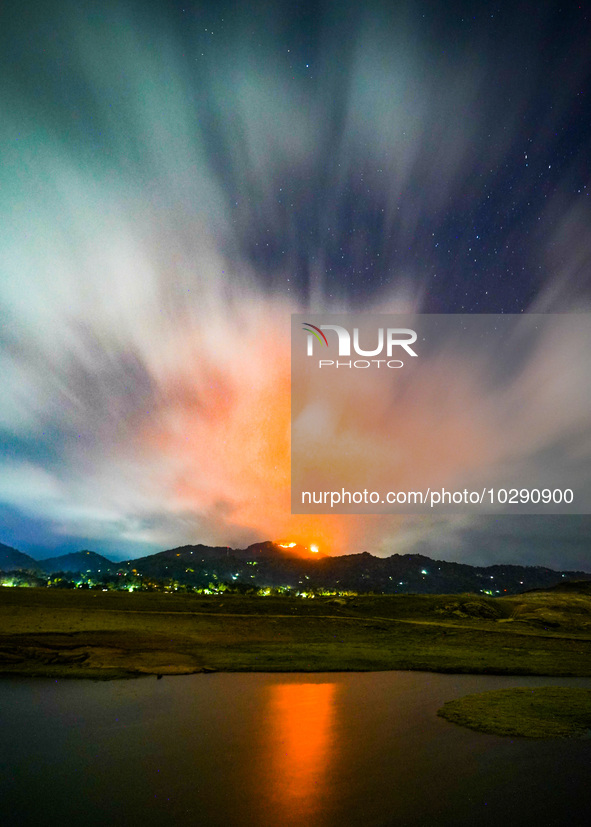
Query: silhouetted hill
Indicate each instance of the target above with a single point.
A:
(78, 561)
(11, 559)
(268, 564)
(271, 564)
(223, 561)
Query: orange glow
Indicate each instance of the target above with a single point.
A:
(218, 444)
(301, 717)
(222, 440)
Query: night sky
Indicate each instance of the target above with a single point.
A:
(177, 179)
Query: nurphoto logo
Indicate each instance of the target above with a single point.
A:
(393, 337)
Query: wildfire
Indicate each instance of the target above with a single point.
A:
(301, 548)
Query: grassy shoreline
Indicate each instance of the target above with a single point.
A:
(85, 634)
(540, 712)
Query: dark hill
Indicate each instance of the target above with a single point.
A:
(11, 559)
(199, 565)
(78, 561)
(271, 564)
(268, 564)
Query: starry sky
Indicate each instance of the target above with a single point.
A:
(177, 179)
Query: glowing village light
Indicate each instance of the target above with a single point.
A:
(314, 549)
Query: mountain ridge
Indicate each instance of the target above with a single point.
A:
(78, 561)
(11, 559)
(269, 564)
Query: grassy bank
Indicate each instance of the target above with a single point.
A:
(544, 712)
(118, 634)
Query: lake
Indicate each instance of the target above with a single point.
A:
(276, 749)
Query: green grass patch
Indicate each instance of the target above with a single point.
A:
(544, 712)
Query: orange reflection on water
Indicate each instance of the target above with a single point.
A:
(301, 717)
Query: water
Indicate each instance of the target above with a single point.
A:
(275, 750)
